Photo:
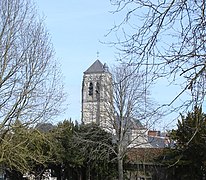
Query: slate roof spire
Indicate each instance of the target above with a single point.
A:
(97, 67)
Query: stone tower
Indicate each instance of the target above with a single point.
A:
(97, 95)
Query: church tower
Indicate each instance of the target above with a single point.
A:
(97, 95)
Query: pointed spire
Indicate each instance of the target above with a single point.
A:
(96, 67)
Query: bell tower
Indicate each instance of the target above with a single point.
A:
(97, 95)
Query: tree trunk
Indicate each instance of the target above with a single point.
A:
(120, 167)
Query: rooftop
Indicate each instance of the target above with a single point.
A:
(97, 67)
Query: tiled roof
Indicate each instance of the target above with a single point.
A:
(143, 155)
(96, 67)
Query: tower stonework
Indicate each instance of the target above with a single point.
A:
(97, 95)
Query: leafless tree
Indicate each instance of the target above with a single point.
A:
(120, 104)
(166, 38)
(133, 111)
(30, 80)
(29, 89)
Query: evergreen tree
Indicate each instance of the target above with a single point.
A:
(188, 158)
(83, 152)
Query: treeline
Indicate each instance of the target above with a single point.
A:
(75, 151)
(70, 150)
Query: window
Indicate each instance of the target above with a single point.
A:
(90, 89)
(97, 90)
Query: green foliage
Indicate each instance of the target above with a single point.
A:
(71, 150)
(24, 148)
(84, 150)
(69, 153)
(96, 145)
(188, 158)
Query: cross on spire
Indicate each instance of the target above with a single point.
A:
(97, 54)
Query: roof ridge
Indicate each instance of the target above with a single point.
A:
(96, 67)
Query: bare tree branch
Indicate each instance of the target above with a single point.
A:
(166, 39)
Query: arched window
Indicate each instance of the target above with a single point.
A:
(90, 89)
(97, 90)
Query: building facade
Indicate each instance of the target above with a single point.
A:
(97, 95)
